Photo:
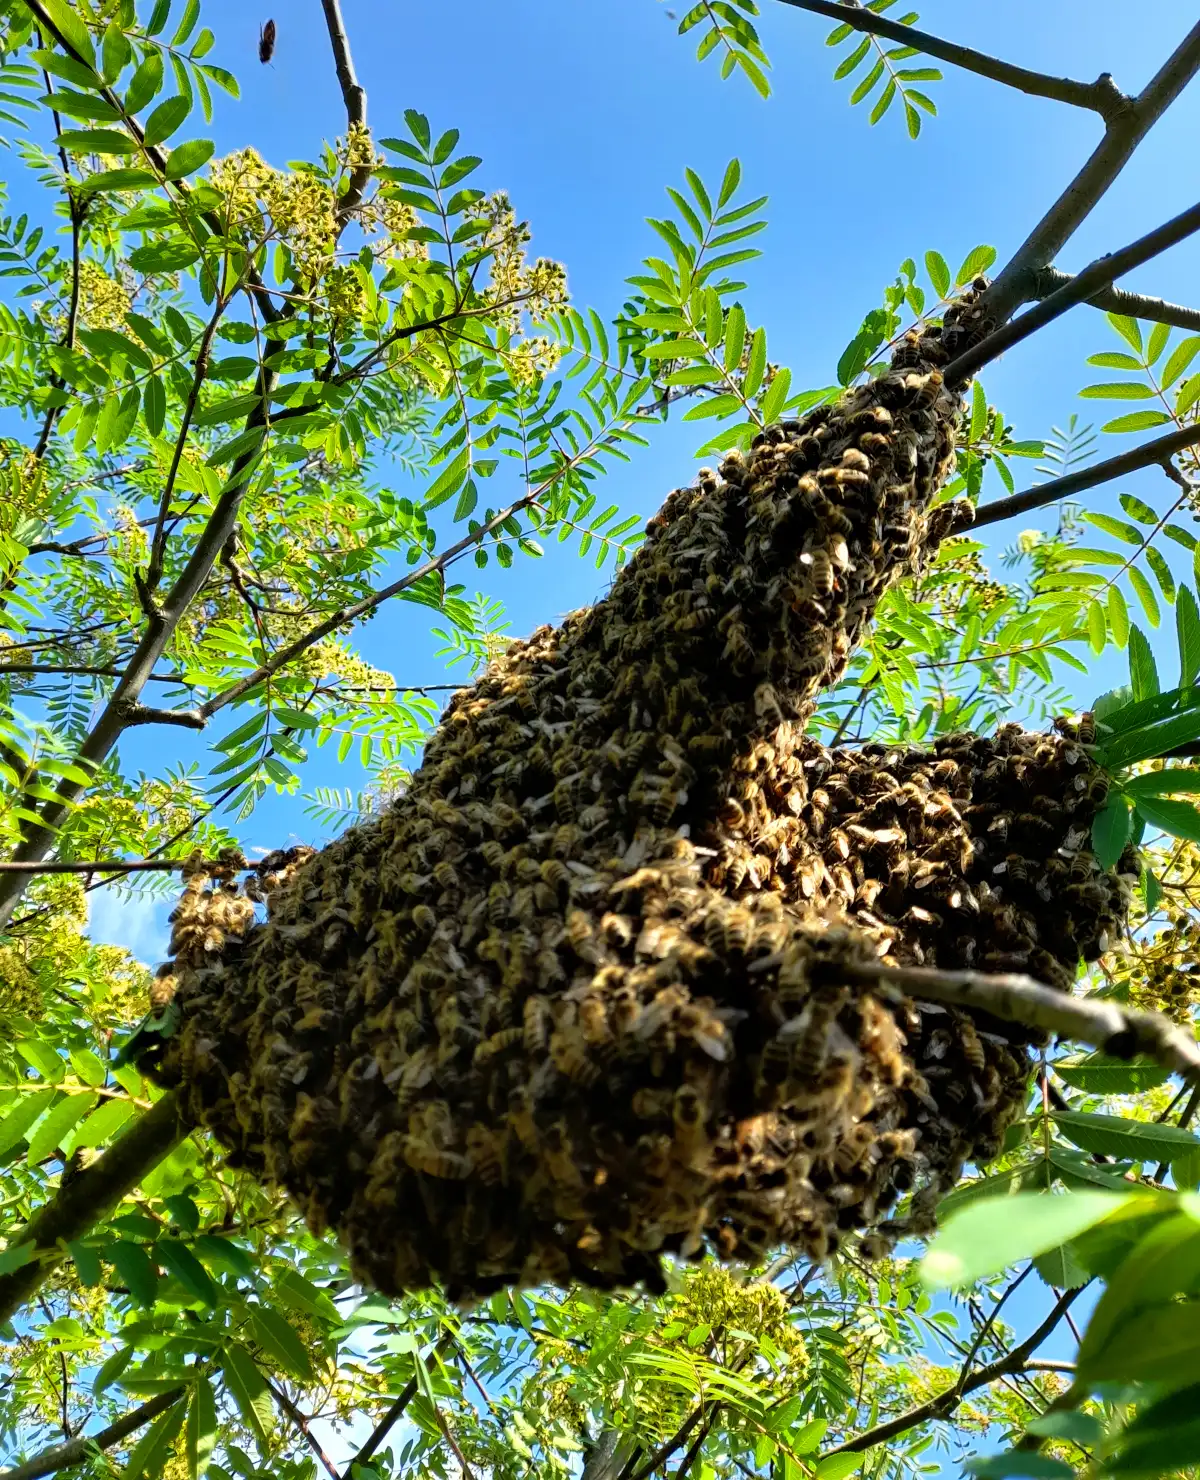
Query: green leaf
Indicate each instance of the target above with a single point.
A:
(1118, 617)
(1115, 360)
(1137, 509)
(145, 82)
(1115, 527)
(104, 1123)
(17, 1122)
(87, 1263)
(1143, 674)
(149, 1454)
(154, 404)
(250, 1392)
(1119, 390)
(976, 1241)
(1127, 1140)
(1129, 329)
(164, 256)
(1187, 626)
(939, 273)
(837, 1466)
(1180, 819)
(1110, 831)
(1100, 1074)
(54, 1129)
(115, 51)
(118, 180)
(974, 264)
(1162, 573)
(1032, 1466)
(136, 1270)
(1136, 421)
(72, 29)
(279, 1339)
(166, 118)
(188, 158)
(1097, 628)
(96, 141)
(1179, 359)
(201, 1427)
(756, 364)
(730, 182)
(111, 1369)
(448, 481)
(1157, 1345)
(301, 1295)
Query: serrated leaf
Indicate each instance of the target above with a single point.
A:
(279, 1339)
(1127, 1140)
(1110, 831)
(249, 1391)
(939, 273)
(1115, 527)
(1119, 390)
(1118, 617)
(1100, 1074)
(150, 1452)
(103, 1123)
(188, 158)
(1145, 595)
(1136, 421)
(976, 262)
(1180, 819)
(135, 1269)
(201, 1438)
(21, 1117)
(1129, 329)
(756, 364)
(1097, 627)
(59, 1122)
(1143, 672)
(1187, 627)
(1138, 510)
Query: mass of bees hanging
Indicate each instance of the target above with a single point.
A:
(577, 999)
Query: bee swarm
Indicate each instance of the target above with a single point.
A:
(574, 999)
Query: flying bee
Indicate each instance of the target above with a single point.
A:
(266, 42)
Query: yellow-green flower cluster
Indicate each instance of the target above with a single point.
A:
(23, 490)
(344, 297)
(294, 207)
(357, 150)
(515, 286)
(103, 300)
(20, 993)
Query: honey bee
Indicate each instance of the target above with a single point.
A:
(573, 1058)
(266, 42)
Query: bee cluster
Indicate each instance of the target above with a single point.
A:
(579, 996)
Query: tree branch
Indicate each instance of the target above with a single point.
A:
(1123, 1032)
(1102, 96)
(63, 1456)
(1121, 137)
(943, 1404)
(141, 714)
(88, 1198)
(394, 1414)
(1117, 300)
(354, 97)
(288, 1407)
(1078, 289)
(1158, 451)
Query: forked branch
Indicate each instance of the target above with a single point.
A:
(65, 1456)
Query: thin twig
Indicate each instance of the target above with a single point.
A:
(394, 1413)
(1102, 96)
(1160, 450)
(986, 1326)
(1117, 300)
(301, 1423)
(1078, 289)
(943, 1404)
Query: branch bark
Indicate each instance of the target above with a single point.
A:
(63, 1456)
(394, 1414)
(1123, 1032)
(1078, 289)
(1160, 450)
(1117, 300)
(944, 1404)
(1102, 96)
(88, 1198)
(1121, 137)
(353, 95)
